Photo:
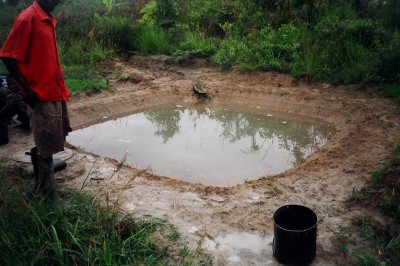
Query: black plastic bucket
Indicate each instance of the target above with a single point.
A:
(4, 134)
(295, 235)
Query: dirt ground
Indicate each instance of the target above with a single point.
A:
(235, 223)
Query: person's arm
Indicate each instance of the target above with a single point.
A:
(29, 94)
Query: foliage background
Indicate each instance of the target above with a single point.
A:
(345, 41)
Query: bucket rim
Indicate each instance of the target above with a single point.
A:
(292, 230)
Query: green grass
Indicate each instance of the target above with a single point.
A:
(375, 245)
(383, 187)
(383, 190)
(392, 91)
(87, 85)
(34, 232)
(81, 53)
(80, 78)
(151, 40)
(367, 260)
(385, 242)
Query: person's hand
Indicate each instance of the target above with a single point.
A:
(30, 98)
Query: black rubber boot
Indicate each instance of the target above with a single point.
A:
(34, 160)
(46, 177)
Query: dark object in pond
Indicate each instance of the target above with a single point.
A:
(295, 235)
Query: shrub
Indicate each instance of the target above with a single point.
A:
(166, 13)
(83, 78)
(151, 40)
(79, 52)
(37, 233)
(196, 44)
(389, 54)
(75, 19)
(117, 32)
(264, 49)
(228, 52)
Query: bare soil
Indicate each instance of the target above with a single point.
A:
(367, 127)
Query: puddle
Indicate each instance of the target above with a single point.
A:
(204, 144)
(238, 248)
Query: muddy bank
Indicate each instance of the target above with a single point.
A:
(213, 217)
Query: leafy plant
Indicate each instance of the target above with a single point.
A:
(82, 53)
(151, 40)
(166, 13)
(80, 78)
(109, 4)
(35, 232)
(383, 187)
(117, 32)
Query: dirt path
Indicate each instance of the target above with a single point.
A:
(235, 223)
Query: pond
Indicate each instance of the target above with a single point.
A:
(211, 145)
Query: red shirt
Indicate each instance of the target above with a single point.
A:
(32, 43)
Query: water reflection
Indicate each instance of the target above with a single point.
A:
(209, 145)
(167, 122)
(299, 138)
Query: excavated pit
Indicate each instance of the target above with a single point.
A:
(210, 145)
(217, 218)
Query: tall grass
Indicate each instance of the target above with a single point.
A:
(334, 41)
(392, 90)
(194, 44)
(151, 40)
(386, 242)
(75, 19)
(34, 232)
(81, 53)
(83, 78)
(382, 190)
(384, 187)
(116, 32)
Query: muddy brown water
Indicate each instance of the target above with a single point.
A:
(211, 145)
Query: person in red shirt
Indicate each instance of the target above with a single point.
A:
(31, 56)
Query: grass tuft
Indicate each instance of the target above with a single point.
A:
(384, 187)
(34, 232)
(80, 78)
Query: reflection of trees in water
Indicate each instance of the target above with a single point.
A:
(298, 138)
(166, 120)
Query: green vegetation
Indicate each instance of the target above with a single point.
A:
(80, 78)
(383, 190)
(384, 187)
(342, 41)
(376, 246)
(34, 232)
(385, 242)
(392, 91)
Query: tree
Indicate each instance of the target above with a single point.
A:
(166, 13)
